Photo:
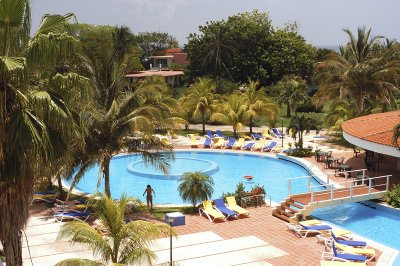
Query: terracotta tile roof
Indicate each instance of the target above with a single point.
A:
(377, 128)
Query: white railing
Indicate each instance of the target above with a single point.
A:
(354, 185)
(347, 177)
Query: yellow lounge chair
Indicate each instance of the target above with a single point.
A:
(310, 222)
(219, 144)
(243, 135)
(259, 145)
(266, 135)
(369, 252)
(342, 263)
(238, 144)
(236, 208)
(193, 141)
(211, 213)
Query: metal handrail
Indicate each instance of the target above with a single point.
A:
(353, 187)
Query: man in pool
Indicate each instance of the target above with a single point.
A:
(149, 197)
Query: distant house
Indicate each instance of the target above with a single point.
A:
(160, 65)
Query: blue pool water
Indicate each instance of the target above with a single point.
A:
(272, 173)
(377, 224)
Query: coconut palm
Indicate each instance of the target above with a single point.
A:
(219, 51)
(119, 120)
(303, 123)
(114, 240)
(30, 117)
(292, 92)
(258, 104)
(359, 73)
(233, 112)
(200, 98)
(195, 187)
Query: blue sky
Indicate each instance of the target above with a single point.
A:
(320, 21)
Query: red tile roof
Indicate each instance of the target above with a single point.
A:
(377, 128)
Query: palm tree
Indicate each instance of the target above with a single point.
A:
(396, 135)
(200, 98)
(195, 186)
(258, 104)
(233, 112)
(303, 123)
(292, 92)
(119, 120)
(114, 240)
(30, 117)
(359, 73)
(219, 50)
(340, 111)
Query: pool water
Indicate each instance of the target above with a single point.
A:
(376, 224)
(269, 172)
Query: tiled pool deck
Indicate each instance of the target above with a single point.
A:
(262, 225)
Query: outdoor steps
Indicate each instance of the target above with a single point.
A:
(287, 210)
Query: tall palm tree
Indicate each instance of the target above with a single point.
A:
(30, 117)
(200, 98)
(258, 104)
(219, 51)
(292, 92)
(115, 241)
(119, 120)
(195, 186)
(359, 73)
(233, 112)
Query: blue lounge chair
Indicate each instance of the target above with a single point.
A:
(303, 230)
(347, 256)
(219, 134)
(45, 196)
(352, 243)
(256, 136)
(230, 143)
(277, 133)
(270, 146)
(71, 215)
(220, 205)
(207, 143)
(248, 146)
(209, 134)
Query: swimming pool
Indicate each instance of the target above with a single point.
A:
(227, 170)
(366, 219)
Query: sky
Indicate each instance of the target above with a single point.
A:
(320, 21)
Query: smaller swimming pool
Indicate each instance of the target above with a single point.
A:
(367, 219)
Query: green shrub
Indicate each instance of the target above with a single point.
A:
(393, 196)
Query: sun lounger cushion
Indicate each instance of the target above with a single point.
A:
(220, 205)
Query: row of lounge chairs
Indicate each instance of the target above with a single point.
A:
(266, 134)
(341, 248)
(64, 211)
(222, 211)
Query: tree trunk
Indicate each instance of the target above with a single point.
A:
(203, 120)
(288, 110)
(16, 196)
(251, 125)
(106, 172)
(234, 133)
(60, 188)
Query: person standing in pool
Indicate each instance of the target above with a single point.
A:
(149, 196)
